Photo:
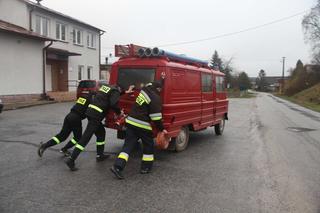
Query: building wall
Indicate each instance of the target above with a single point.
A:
(20, 65)
(15, 12)
(89, 56)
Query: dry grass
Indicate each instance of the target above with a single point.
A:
(309, 98)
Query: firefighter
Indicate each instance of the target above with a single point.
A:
(107, 97)
(147, 108)
(73, 123)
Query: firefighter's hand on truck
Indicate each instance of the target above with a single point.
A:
(165, 131)
(130, 89)
(121, 113)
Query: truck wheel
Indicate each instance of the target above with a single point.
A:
(182, 140)
(218, 128)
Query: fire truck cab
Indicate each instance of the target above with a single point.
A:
(193, 95)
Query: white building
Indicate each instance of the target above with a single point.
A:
(21, 61)
(72, 55)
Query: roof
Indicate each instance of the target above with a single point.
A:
(62, 52)
(270, 79)
(11, 28)
(60, 14)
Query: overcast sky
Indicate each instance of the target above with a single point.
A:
(155, 23)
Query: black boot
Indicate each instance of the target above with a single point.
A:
(102, 157)
(70, 163)
(41, 149)
(65, 152)
(117, 172)
(145, 170)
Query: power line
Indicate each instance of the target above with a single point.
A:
(236, 32)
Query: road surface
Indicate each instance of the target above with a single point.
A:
(267, 160)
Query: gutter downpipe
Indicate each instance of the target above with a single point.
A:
(44, 61)
(99, 67)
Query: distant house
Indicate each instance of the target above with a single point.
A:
(273, 82)
(71, 50)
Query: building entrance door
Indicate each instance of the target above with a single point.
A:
(59, 75)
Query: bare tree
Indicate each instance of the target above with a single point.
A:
(311, 27)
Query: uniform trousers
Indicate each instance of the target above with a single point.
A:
(133, 134)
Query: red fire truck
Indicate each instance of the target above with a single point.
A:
(193, 97)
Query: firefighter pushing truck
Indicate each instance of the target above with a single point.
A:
(193, 95)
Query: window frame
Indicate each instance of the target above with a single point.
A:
(80, 72)
(76, 37)
(206, 82)
(220, 81)
(89, 72)
(40, 29)
(91, 40)
(60, 24)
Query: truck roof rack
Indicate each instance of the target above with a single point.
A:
(132, 50)
(129, 50)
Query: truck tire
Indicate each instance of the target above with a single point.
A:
(218, 128)
(182, 140)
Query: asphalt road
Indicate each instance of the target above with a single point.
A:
(267, 160)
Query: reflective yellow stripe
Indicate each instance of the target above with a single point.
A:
(96, 108)
(138, 125)
(104, 89)
(80, 147)
(147, 158)
(81, 101)
(56, 140)
(123, 156)
(156, 118)
(142, 97)
(146, 96)
(73, 141)
(100, 143)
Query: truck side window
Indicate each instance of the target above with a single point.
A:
(206, 82)
(220, 84)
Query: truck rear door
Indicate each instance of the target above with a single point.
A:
(207, 99)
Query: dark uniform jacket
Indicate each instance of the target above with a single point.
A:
(82, 104)
(147, 108)
(107, 97)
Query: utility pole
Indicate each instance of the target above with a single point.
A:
(283, 63)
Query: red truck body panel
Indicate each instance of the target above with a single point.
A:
(191, 96)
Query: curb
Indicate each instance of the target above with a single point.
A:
(20, 105)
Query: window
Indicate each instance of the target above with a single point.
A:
(206, 82)
(42, 26)
(220, 84)
(60, 31)
(77, 36)
(89, 72)
(137, 77)
(91, 40)
(80, 71)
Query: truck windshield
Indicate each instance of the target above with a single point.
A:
(135, 76)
